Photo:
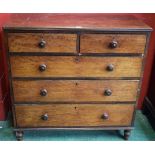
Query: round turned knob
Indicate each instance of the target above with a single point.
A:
(110, 67)
(107, 92)
(113, 44)
(42, 67)
(42, 44)
(44, 117)
(43, 92)
(105, 115)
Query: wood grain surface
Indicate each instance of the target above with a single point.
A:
(99, 43)
(28, 42)
(74, 90)
(93, 21)
(72, 66)
(61, 115)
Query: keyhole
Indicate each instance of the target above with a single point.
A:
(77, 59)
(75, 108)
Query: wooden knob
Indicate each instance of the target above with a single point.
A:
(44, 117)
(42, 44)
(42, 67)
(113, 44)
(43, 92)
(105, 116)
(110, 67)
(107, 92)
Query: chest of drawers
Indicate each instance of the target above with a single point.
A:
(75, 71)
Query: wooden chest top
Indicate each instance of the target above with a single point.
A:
(76, 21)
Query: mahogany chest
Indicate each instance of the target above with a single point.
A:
(75, 71)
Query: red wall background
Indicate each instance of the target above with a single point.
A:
(147, 18)
(3, 63)
(4, 88)
(150, 20)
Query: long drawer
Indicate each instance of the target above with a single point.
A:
(74, 90)
(72, 66)
(112, 43)
(42, 42)
(71, 115)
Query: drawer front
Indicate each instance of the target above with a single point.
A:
(72, 115)
(71, 66)
(112, 43)
(75, 90)
(41, 42)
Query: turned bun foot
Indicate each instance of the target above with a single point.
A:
(127, 134)
(19, 135)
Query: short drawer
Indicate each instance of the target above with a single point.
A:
(74, 115)
(42, 42)
(71, 66)
(112, 43)
(74, 90)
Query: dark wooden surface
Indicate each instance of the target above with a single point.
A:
(74, 66)
(147, 18)
(75, 90)
(85, 21)
(20, 42)
(74, 115)
(132, 37)
(99, 43)
(85, 90)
